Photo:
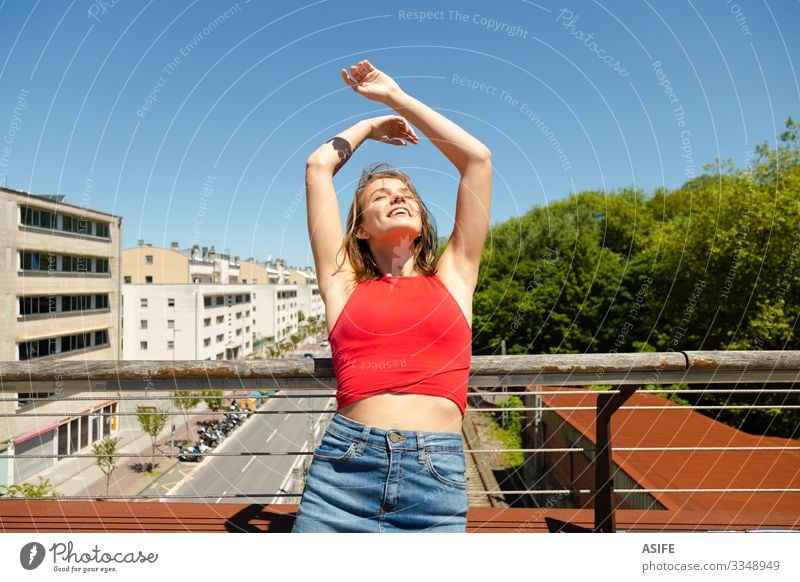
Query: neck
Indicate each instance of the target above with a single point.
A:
(394, 258)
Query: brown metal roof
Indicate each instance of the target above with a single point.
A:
(46, 516)
(676, 426)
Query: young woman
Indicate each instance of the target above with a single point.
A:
(399, 326)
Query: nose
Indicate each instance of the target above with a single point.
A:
(398, 196)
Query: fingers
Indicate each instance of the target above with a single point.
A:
(405, 130)
(358, 72)
(347, 78)
(409, 132)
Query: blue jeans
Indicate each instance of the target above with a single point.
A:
(365, 479)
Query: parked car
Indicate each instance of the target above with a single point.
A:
(307, 355)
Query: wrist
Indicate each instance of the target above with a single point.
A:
(396, 98)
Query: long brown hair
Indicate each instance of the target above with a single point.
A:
(357, 250)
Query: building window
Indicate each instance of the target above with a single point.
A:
(143, 324)
(148, 279)
(206, 322)
(143, 302)
(37, 348)
(220, 337)
(170, 324)
(206, 342)
(30, 398)
(143, 345)
(148, 259)
(36, 217)
(239, 331)
(170, 302)
(127, 279)
(220, 355)
(170, 345)
(62, 344)
(101, 337)
(102, 230)
(36, 305)
(239, 315)
(38, 261)
(220, 319)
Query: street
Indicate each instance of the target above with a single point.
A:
(246, 478)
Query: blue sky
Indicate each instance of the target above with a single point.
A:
(193, 120)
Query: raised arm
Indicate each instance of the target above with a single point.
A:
(472, 159)
(324, 222)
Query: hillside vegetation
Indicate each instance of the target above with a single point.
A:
(713, 265)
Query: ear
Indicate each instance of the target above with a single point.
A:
(361, 233)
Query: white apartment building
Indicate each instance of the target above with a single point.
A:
(197, 304)
(60, 299)
(308, 298)
(203, 321)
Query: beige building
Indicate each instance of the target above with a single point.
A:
(308, 298)
(60, 298)
(197, 304)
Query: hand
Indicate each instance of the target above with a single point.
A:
(392, 129)
(368, 81)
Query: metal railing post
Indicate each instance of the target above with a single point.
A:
(607, 405)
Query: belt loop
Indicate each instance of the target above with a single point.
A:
(363, 442)
(421, 447)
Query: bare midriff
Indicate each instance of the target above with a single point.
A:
(417, 412)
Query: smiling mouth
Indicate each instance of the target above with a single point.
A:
(398, 211)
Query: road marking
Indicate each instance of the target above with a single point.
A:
(274, 432)
(282, 489)
(248, 464)
(220, 499)
(190, 476)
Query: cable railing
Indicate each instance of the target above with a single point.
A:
(57, 389)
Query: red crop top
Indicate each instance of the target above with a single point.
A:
(401, 334)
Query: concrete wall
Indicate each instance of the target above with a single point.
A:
(168, 267)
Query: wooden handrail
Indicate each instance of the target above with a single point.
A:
(558, 369)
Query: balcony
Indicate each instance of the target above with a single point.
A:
(622, 459)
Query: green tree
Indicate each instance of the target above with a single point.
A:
(295, 339)
(213, 399)
(105, 457)
(185, 401)
(714, 264)
(42, 489)
(152, 421)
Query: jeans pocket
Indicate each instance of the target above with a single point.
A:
(334, 448)
(447, 467)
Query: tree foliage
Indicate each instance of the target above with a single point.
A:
(185, 401)
(213, 399)
(713, 265)
(41, 489)
(104, 457)
(152, 421)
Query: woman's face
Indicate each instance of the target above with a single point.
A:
(389, 209)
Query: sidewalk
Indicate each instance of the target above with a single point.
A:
(83, 478)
